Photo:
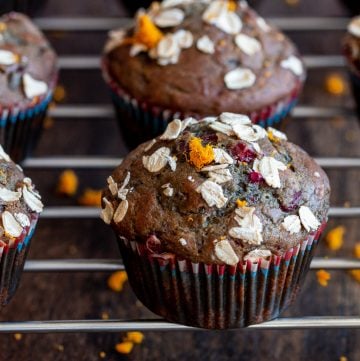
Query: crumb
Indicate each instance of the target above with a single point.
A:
(59, 93)
(90, 197)
(323, 277)
(240, 203)
(335, 238)
(347, 204)
(18, 336)
(104, 316)
(117, 280)
(124, 347)
(357, 250)
(135, 337)
(335, 84)
(68, 183)
(48, 122)
(343, 358)
(102, 354)
(59, 347)
(355, 274)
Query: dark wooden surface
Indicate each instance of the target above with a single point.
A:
(86, 296)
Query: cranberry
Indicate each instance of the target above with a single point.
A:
(243, 153)
(255, 177)
(153, 244)
(294, 204)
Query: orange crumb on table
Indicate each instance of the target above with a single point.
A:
(241, 203)
(90, 197)
(357, 250)
(200, 155)
(355, 274)
(135, 337)
(102, 354)
(104, 316)
(343, 358)
(59, 93)
(292, 2)
(323, 277)
(117, 280)
(335, 84)
(335, 238)
(18, 336)
(124, 347)
(68, 183)
(59, 347)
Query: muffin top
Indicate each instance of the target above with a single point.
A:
(19, 201)
(217, 191)
(352, 44)
(203, 58)
(27, 62)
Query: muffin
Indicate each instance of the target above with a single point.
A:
(27, 80)
(199, 58)
(351, 45)
(20, 208)
(217, 221)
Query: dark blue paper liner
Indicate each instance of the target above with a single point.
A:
(12, 260)
(20, 129)
(140, 122)
(213, 296)
(355, 84)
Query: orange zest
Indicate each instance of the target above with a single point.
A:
(335, 84)
(241, 204)
(90, 197)
(124, 347)
(146, 33)
(231, 5)
(323, 277)
(117, 280)
(135, 337)
(335, 238)
(200, 155)
(68, 183)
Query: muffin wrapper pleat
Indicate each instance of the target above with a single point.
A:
(12, 260)
(216, 296)
(140, 122)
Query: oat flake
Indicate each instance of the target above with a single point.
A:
(157, 161)
(213, 194)
(354, 26)
(292, 224)
(169, 18)
(269, 168)
(11, 226)
(173, 130)
(308, 219)
(121, 211)
(222, 157)
(183, 241)
(107, 213)
(277, 133)
(7, 57)
(220, 176)
(205, 45)
(293, 64)
(232, 119)
(254, 255)
(7, 195)
(239, 78)
(33, 87)
(225, 253)
(247, 44)
(23, 219)
(32, 200)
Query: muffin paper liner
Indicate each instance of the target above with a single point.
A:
(12, 260)
(20, 129)
(140, 122)
(355, 84)
(216, 296)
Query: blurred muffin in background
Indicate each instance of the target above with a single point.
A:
(28, 77)
(199, 58)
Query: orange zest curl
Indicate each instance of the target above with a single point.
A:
(90, 197)
(200, 155)
(335, 238)
(357, 250)
(323, 277)
(135, 337)
(146, 32)
(124, 347)
(240, 203)
(68, 183)
(117, 280)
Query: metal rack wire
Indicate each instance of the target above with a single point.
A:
(105, 111)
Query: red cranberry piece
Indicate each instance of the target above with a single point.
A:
(255, 177)
(243, 153)
(153, 244)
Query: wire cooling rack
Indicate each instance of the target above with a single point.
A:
(97, 111)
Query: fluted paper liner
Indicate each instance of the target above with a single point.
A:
(12, 260)
(213, 296)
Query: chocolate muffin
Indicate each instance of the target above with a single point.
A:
(20, 208)
(351, 45)
(199, 58)
(217, 220)
(27, 79)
